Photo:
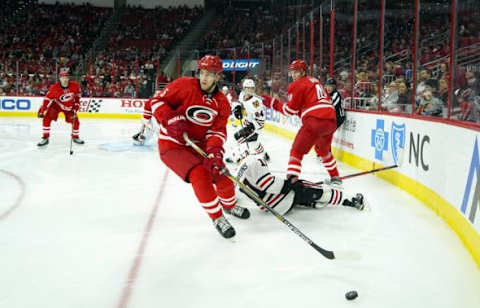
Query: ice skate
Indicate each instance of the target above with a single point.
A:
(78, 140)
(358, 202)
(138, 138)
(335, 182)
(238, 211)
(43, 142)
(224, 227)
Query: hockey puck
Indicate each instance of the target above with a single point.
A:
(351, 295)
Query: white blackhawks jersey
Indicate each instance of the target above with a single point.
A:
(254, 173)
(254, 111)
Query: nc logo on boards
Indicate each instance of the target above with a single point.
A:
(473, 173)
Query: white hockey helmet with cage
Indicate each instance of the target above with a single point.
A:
(248, 83)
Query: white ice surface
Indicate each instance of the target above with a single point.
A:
(73, 239)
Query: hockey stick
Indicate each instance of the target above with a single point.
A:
(367, 172)
(326, 253)
(71, 136)
(399, 162)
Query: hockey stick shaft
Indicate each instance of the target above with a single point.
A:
(71, 135)
(367, 172)
(326, 253)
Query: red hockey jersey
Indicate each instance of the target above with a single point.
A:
(67, 99)
(307, 97)
(206, 114)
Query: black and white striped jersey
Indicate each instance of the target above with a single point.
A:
(337, 103)
(254, 173)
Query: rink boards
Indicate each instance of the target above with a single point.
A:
(440, 165)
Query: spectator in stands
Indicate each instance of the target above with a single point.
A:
(472, 82)
(423, 77)
(469, 106)
(429, 105)
(443, 71)
(391, 97)
(443, 90)
(403, 96)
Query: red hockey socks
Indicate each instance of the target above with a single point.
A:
(201, 181)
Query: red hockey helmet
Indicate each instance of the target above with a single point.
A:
(63, 73)
(210, 63)
(298, 65)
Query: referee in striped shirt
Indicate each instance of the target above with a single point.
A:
(331, 87)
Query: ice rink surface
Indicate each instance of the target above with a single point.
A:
(110, 227)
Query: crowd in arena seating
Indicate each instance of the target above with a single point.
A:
(129, 65)
(60, 35)
(50, 37)
(431, 97)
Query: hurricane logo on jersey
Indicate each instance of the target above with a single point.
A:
(397, 136)
(66, 97)
(201, 115)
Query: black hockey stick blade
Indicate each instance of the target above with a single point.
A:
(326, 253)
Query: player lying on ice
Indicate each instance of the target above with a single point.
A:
(282, 195)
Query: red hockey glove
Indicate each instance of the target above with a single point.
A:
(41, 112)
(176, 125)
(214, 161)
(269, 101)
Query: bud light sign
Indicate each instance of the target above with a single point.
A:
(240, 64)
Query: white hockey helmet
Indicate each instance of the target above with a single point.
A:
(248, 83)
(224, 89)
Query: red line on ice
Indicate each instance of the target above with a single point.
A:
(135, 268)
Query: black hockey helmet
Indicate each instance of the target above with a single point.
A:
(331, 81)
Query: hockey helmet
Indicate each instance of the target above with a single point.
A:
(331, 81)
(210, 63)
(298, 65)
(248, 83)
(63, 72)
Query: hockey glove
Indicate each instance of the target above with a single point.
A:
(176, 125)
(245, 132)
(41, 112)
(214, 160)
(237, 112)
(267, 101)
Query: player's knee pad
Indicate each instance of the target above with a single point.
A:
(200, 174)
(180, 160)
(222, 182)
(201, 180)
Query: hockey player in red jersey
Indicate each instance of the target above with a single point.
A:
(308, 100)
(63, 96)
(197, 107)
